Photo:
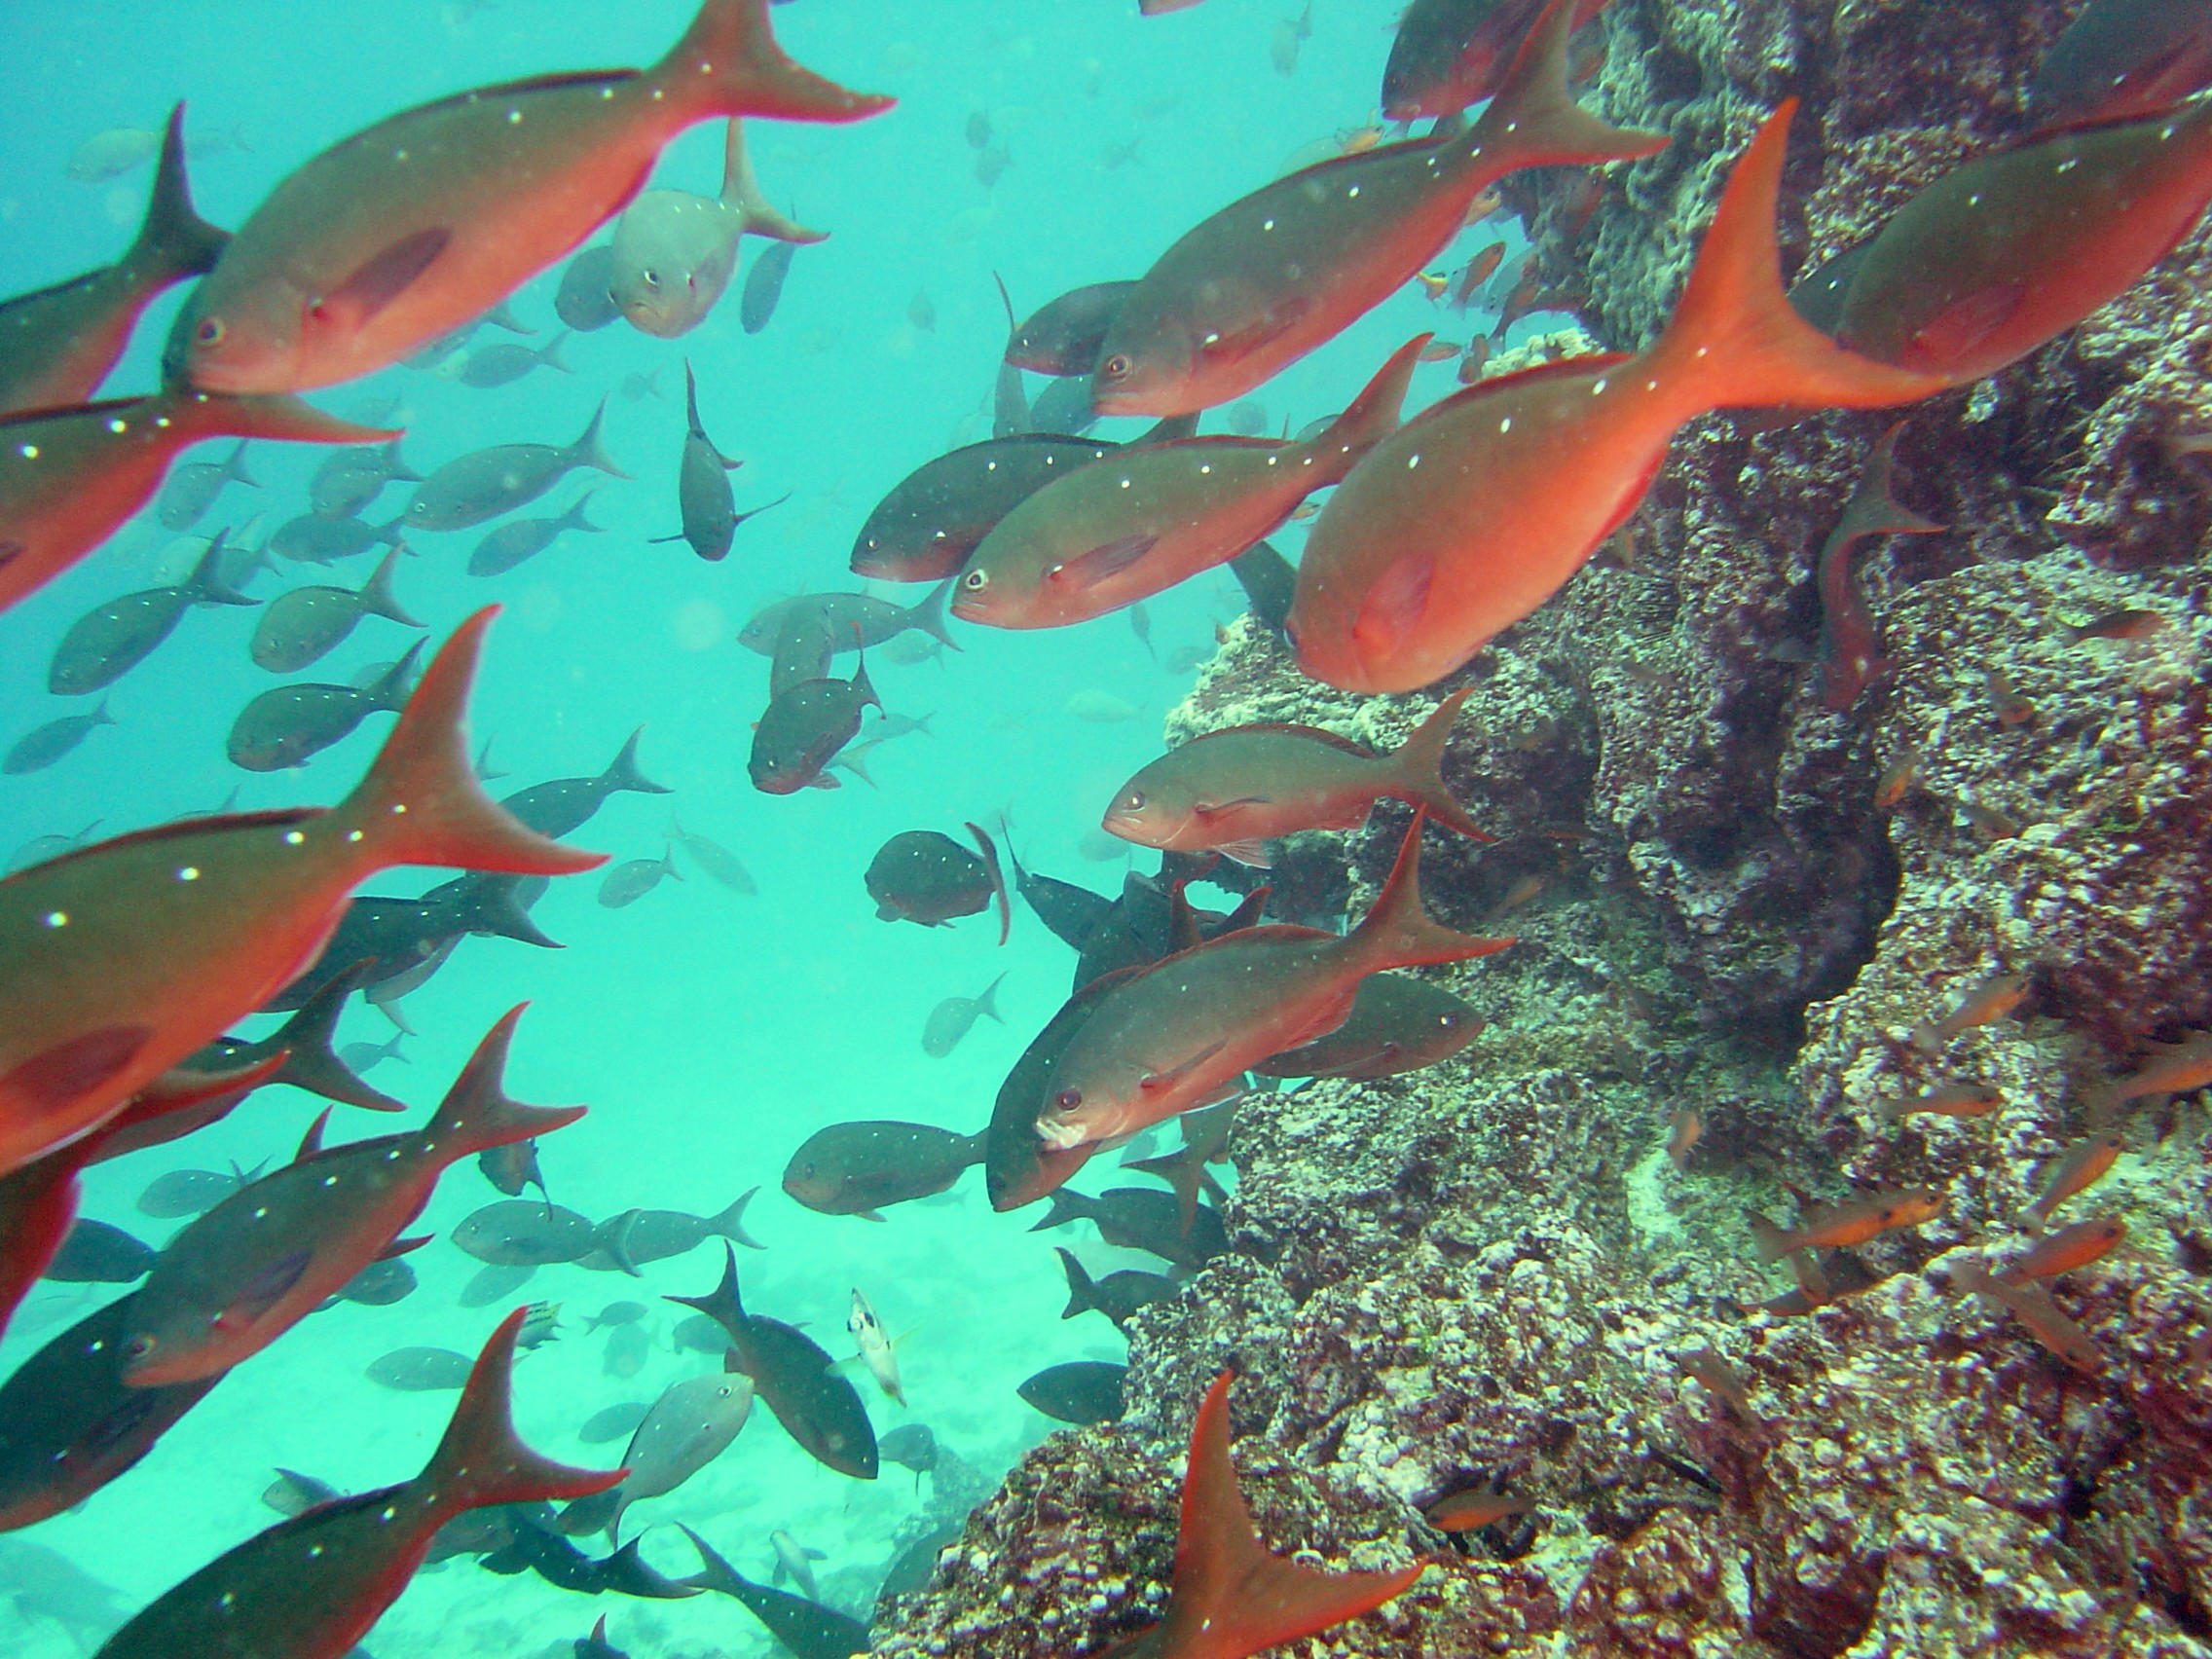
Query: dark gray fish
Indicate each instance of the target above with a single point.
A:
(806, 1629)
(951, 1019)
(627, 1349)
(639, 1238)
(566, 805)
(111, 639)
(504, 363)
(1117, 1296)
(40, 848)
(95, 1253)
(1082, 1392)
(495, 1282)
(70, 1423)
(1063, 337)
(480, 486)
(192, 489)
(351, 479)
(615, 1314)
(316, 539)
(855, 620)
(912, 1446)
(187, 1191)
(1270, 581)
(520, 1233)
(45, 1584)
(699, 1334)
(794, 1377)
(294, 1493)
(1071, 912)
(1064, 406)
(509, 544)
(858, 1168)
(531, 1544)
(936, 516)
(40, 747)
(795, 1563)
(720, 865)
(584, 299)
(1399, 1022)
(1141, 1218)
(1247, 418)
(399, 939)
(764, 287)
(512, 1167)
(625, 883)
(306, 624)
(420, 1370)
(60, 342)
(360, 1057)
(915, 1565)
(704, 500)
(614, 1422)
(289, 726)
(379, 1284)
(803, 727)
(689, 1426)
(596, 1645)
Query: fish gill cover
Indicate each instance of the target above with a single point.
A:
(1793, 1243)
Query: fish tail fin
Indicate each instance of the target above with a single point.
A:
(730, 1223)
(482, 1460)
(100, 714)
(864, 689)
(1533, 121)
(575, 519)
(175, 242)
(1397, 931)
(396, 467)
(1228, 1581)
(1421, 768)
(205, 585)
(549, 354)
(1772, 1242)
(929, 615)
(420, 802)
(272, 415)
(477, 1115)
(590, 449)
(393, 533)
(1065, 1205)
(1083, 1289)
(1735, 340)
(1370, 418)
(987, 1005)
(389, 689)
(622, 771)
(728, 64)
(312, 1062)
(235, 467)
(1874, 508)
(495, 907)
(723, 1304)
(377, 597)
(990, 854)
(742, 191)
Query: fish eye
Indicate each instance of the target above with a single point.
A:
(1134, 801)
(974, 581)
(1068, 1100)
(211, 331)
(653, 278)
(1116, 367)
(138, 1348)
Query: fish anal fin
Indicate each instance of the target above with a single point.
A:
(381, 278)
(1253, 855)
(1230, 1594)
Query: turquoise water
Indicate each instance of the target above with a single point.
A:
(709, 1033)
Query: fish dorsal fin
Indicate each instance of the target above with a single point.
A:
(1182, 921)
(1285, 728)
(310, 1143)
(1231, 1596)
(276, 820)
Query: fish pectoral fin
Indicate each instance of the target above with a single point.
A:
(263, 1290)
(1163, 1079)
(1213, 808)
(381, 279)
(1108, 559)
(1251, 854)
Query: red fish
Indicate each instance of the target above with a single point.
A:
(1476, 512)
(119, 961)
(245, 1271)
(413, 227)
(1480, 270)
(69, 477)
(1270, 278)
(1850, 654)
(1449, 53)
(2008, 251)
(1171, 1036)
(2123, 58)
(1230, 1595)
(311, 1587)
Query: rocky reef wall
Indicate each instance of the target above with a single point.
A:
(1492, 1270)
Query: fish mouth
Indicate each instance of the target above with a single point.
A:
(1058, 1135)
(1128, 400)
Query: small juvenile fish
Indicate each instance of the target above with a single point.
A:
(421, 1370)
(490, 366)
(1234, 790)
(721, 865)
(2079, 1167)
(1464, 1511)
(43, 746)
(1899, 779)
(1119, 1295)
(1684, 1133)
(302, 626)
(2120, 625)
(1988, 1002)
(289, 726)
(1850, 654)
(506, 545)
(1722, 1379)
(2063, 1251)
(1956, 1099)
(474, 488)
(624, 884)
(1082, 1392)
(764, 287)
(192, 489)
(874, 1350)
(1849, 1222)
(2009, 707)
(2173, 1068)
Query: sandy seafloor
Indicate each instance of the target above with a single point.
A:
(710, 1034)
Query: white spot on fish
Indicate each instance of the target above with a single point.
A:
(30, 452)
(190, 872)
(57, 918)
